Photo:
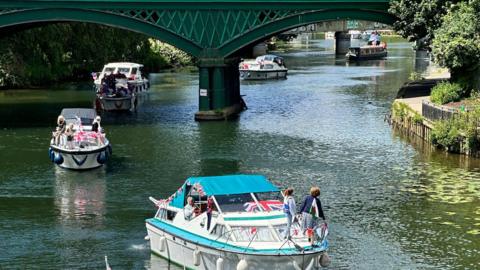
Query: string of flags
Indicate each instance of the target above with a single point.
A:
(197, 186)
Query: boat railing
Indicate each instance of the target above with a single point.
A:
(82, 140)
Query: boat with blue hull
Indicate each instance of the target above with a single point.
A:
(237, 223)
(86, 149)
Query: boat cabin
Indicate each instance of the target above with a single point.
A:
(244, 207)
(270, 58)
(132, 71)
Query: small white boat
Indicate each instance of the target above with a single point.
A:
(238, 224)
(87, 149)
(263, 68)
(119, 85)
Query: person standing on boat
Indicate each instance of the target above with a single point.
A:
(61, 126)
(289, 208)
(311, 210)
(373, 38)
(210, 207)
(377, 38)
(96, 124)
(69, 132)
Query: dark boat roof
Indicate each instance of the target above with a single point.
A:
(83, 113)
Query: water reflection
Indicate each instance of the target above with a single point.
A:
(80, 197)
(217, 143)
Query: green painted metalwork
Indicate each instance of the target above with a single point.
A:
(214, 31)
(203, 28)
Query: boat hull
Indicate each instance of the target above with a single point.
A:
(79, 160)
(263, 74)
(351, 57)
(196, 256)
(118, 103)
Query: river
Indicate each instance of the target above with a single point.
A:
(391, 202)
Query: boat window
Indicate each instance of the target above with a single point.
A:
(268, 58)
(171, 215)
(258, 233)
(108, 70)
(270, 201)
(134, 71)
(236, 203)
(268, 66)
(123, 70)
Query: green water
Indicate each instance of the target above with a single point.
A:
(391, 202)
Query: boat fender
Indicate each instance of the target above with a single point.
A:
(196, 257)
(50, 153)
(325, 260)
(147, 238)
(296, 266)
(242, 265)
(219, 264)
(102, 158)
(316, 262)
(58, 159)
(162, 243)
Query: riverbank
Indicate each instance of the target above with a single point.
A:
(38, 58)
(414, 114)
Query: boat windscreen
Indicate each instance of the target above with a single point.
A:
(72, 115)
(236, 203)
(108, 70)
(123, 70)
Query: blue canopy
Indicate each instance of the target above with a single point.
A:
(224, 185)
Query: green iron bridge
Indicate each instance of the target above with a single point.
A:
(217, 32)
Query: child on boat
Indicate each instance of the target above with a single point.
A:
(311, 210)
(289, 208)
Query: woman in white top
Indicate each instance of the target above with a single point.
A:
(289, 208)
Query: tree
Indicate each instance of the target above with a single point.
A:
(457, 43)
(418, 19)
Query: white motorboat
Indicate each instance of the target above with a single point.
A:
(238, 223)
(119, 85)
(86, 149)
(263, 68)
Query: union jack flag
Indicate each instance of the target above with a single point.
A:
(250, 206)
(271, 205)
(268, 205)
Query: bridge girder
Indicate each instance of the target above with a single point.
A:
(202, 28)
(211, 30)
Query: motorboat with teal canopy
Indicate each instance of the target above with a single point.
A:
(224, 185)
(233, 222)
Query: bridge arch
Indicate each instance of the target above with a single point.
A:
(298, 20)
(32, 16)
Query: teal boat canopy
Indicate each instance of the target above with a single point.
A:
(223, 185)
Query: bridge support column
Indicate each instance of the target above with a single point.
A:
(219, 89)
(342, 42)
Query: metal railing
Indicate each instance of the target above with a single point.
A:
(435, 112)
